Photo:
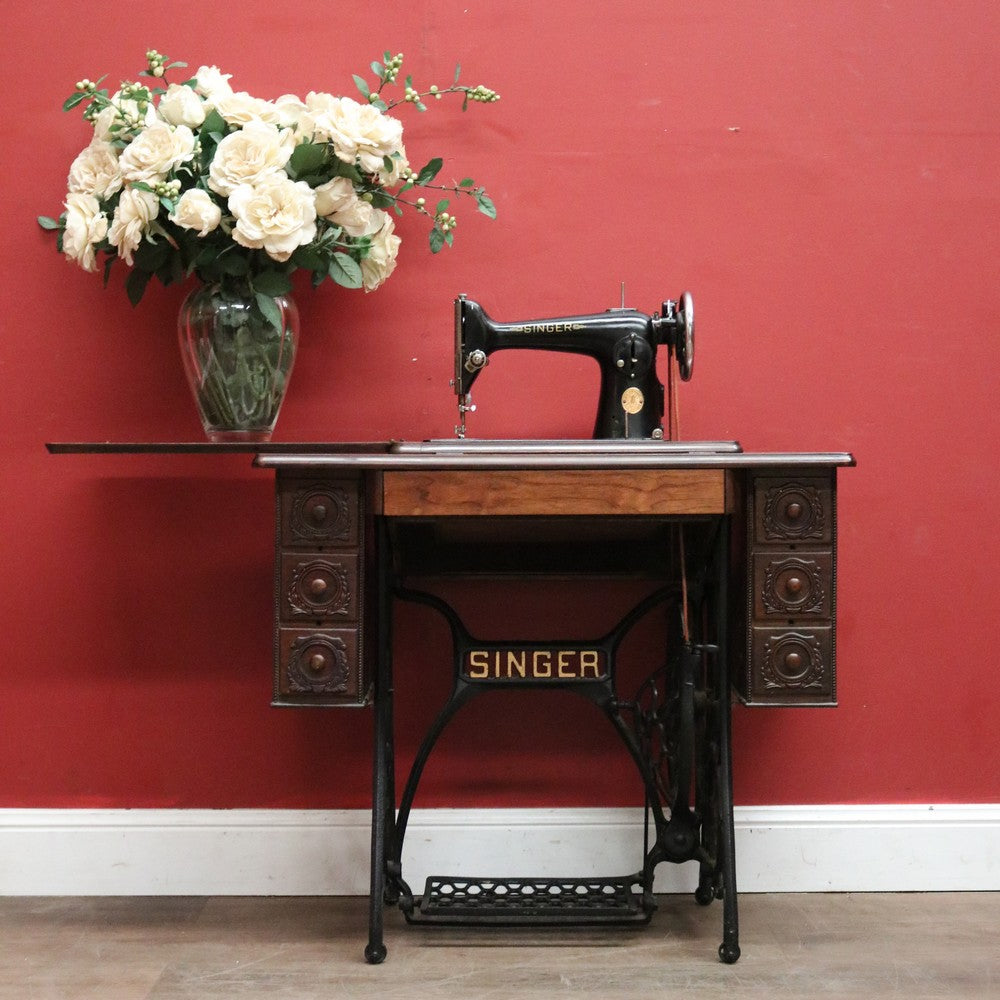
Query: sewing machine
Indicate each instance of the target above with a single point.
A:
(622, 341)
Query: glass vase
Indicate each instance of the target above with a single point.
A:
(238, 355)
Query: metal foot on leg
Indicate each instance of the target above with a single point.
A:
(729, 952)
(375, 953)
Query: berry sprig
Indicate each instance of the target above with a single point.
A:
(387, 72)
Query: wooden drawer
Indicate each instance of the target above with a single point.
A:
(794, 665)
(318, 666)
(793, 584)
(319, 586)
(792, 509)
(315, 512)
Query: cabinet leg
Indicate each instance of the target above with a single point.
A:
(383, 786)
(375, 952)
(729, 950)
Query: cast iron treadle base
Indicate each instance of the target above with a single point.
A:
(455, 900)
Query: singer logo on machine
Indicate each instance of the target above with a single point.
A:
(534, 664)
(547, 327)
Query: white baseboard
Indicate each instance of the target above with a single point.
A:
(277, 852)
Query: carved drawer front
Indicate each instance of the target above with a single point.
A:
(794, 665)
(319, 586)
(317, 665)
(793, 509)
(318, 512)
(320, 654)
(793, 585)
(791, 597)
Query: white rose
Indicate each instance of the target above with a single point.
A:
(276, 215)
(381, 259)
(196, 210)
(86, 226)
(136, 209)
(241, 107)
(390, 178)
(357, 131)
(102, 123)
(315, 119)
(95, 171)
(124, 113)
(180, 105)
(247, 156)
(337, 201)
(155, 151)
(212, 84)
(290, 111)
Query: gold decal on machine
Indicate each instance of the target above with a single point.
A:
(546, 327)
(632, 400)
(535, 664)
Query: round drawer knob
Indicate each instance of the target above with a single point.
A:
(794, 584)
(318, 586)
(317, 663)
(794, 510)
(319, 512)
(793, 661)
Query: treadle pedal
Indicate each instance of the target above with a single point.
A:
(459, 900)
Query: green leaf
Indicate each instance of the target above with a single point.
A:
(150, 256)
(345, 271)
(338, 168)
(269, 308)
(458, 70)
(378, 69)
(486, 205)
(215, 124)
(73, 100)
(436, 240)
(389, 164)
(272, 283)
(135, 284)
(305, 159)
(362, 85)
(46, 223)
(233, 264)
(380, 104)
(441, 206)
(311, 260)
(172, 271)
(430, 171)
(466, 182)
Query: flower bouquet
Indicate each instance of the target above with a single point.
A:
(196, 178)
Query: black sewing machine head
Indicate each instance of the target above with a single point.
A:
(623, 341)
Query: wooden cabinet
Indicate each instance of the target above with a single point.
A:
(321, 656)
(785, 611)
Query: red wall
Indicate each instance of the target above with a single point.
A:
(823, 177)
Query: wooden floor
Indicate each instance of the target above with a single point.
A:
(794, 946)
